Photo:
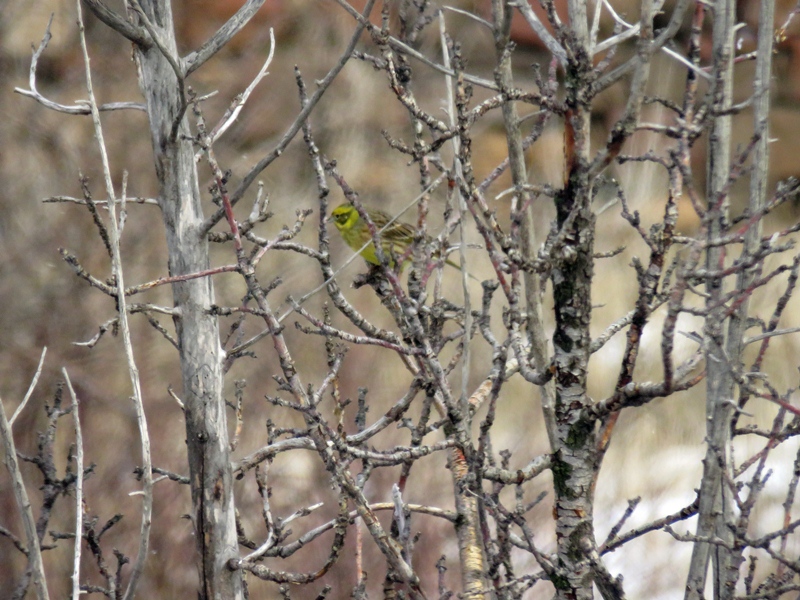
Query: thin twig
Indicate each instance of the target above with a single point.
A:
(31, 387)
(233, 112)
(538, 27)
(75, 109)
(21, 495)
(76, 555)
(147, 477)
(135, 34)
(223, 35)
(72, 200)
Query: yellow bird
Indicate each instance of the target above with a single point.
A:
(395, 239)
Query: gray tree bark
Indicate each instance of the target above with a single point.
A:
(715, 509)
(197, 329)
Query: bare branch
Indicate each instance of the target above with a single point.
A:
(664, 36)
(76, 109)
(21, 495)
(400, 46)
(82, 201)
(31, 387)
(135, 34)
(76, 556)
(233, 111)
(223, 35)
(147, 503)
(538, 27)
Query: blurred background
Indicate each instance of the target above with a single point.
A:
(657, 450)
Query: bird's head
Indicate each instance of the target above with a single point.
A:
(344, 216)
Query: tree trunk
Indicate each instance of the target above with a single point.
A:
(197, 329)
(715, 507)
